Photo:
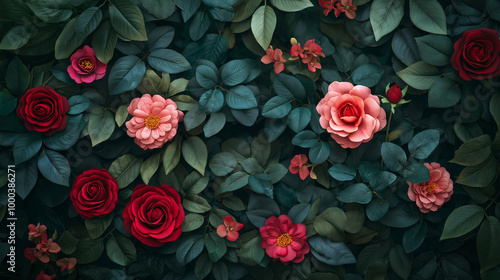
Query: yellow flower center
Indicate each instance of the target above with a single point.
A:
(152, 121)
(284, 240)
(86, 64)
(432, 187)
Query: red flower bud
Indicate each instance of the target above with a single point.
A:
(394, 94)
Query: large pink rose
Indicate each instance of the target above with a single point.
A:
(431, 195)
(351, 114)
(283, 240)
(85, 67)
(154, 121)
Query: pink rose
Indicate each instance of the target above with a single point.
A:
(351, 114)
(431, 195)
(85, 67)
(154, 121)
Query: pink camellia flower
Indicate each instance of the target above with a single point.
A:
(298, 165)
(431, 195)
(43, 276)
(229, 228)
(275, 56)
(351, 114)
(283, 240)
(345, 6)
(68, 263)
(36, 231)
(85, 67)
(45, 247)
(154, 121)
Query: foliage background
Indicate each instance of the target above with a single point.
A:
(242, 126)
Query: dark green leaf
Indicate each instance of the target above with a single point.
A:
(214, 124)
(98, 225)
(125, 169)
(305, 139)
(234, 182)
(291, 5)
(461, 221)
(444, 93)
(168, 61)
(419, 75)
(332, 253)
(55, 167)
(192, 222)
(104, 42)
(16, 37)
(435, 49)
(400, 261)
(88, 21)
(394, 156)
(263, 25)
(189, 249)
(474, 151)
(414, 237)
(240, 97)
(234, 72)
(89, 250)
(261, 184)
(299, 118)
(428, 15)
(195, 204)
(216, 246)
(289, 87)
(319, 152)
(488, 244)
(479, 176)
(126, 74)
(68, 40)
(367, 75)
(101, 125)
(206, 76)
(342, 172)
(195, 153)
(17, 77)
(127, 20)
(26, 146)
(161, 9)
(211, 101)
(385, 16)
(416, 173)
(121, 250)
(359, 193)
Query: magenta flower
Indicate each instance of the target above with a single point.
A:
(85, 67)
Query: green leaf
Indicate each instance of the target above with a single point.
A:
(203, 266)
(319, 152)
(289, 87)
(298, 213)
(26, 147)
(194, 183)
(461, 221)
(240, 97)
(385, 16)
(367, 74)
(121, 115)
(216, 246)
(251, 166)
(299, 118)
(329, 252)
(251, 252)
(195, 204)
(261, 184)
(199, 26)
(17, 77)
(401, 217)
(16, 37)
(127, 20)
(342, 172)
(168, 61)
(126, 74)
(234, 203)
(98, 225)
(305, 139)
(7, 103)
(479, 176)
(234, 182)
(195, 153)
(211, 101)
(68, 40)
(206, 76)
(416, 173)
(125, 169)
(394, 156)
(149, 167)
(444, 93)
(400, 261)
(78, 104)
(494, 108)
(234, 72)
(27, 176)
(435, 49)
(189, 249)
(101, 125)
(88, 250)
(419, 75)
(222, 164)
(194, 117)
(488, 244)
(414, 236)
(104, 42)
(55, 167)
(422, 144)
(67, 242)
(214, 124)
(161, 9)
(428, 15)
(359, 193)
(330, 224)
(52, 11)
(276, 171)
(376, 209)
(355, 218)
(172, 155)
(160, 37)
(291, 5)
(474, 151)
(276, 108)
(121, 250)
(192, 222)
(88, 21)
(263, 25)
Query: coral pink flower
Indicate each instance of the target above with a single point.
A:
(297, 52)
(43, 276)
(64, 263)
(308, 54)
(154, 121)
(85, 67)
(351, 114)
(36, 231)
(284, 240)
(329, 5)
(345, 6)
(275, 56)
(431, 195)
(229, 228)
(45, 247)
(298, 165)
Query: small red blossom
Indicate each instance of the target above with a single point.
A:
(297, 52)
(36, 231)
(229, 228)
(275, 56)
(394, 94)
(45, 247)
(298, 165)
(329, 5)
(345, 6)
(308, 54)
(68, 263)
(43, 276)
(30, 254)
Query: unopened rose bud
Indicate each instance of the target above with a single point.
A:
(394, 94)
(293, 41)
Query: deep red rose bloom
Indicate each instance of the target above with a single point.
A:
(154, 214)
(43, 110)
(94, 193)
(394, 94)
(477, 54)
(283, 240)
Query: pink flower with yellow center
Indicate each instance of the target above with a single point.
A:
(229, 228)
(431, 195)
(154, 121)
(283, 240)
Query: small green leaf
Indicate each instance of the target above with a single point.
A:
(414, 236)
(168, 61)
(428, 15)
(435, 49)
(194, 183)
(149, 167)
(394, 156)
(216, 246)
(241, 97)
(121, 250)
(104, 42)
(16, 37)
(416, 173)
(101, 125)
(211, 101)
(67, 242)
(488, 244)
(68, 40)
(342, 172)
(461, 221)
(299, 118)
(367, 75)
(125, 169)
(359, 193)
(127, 20)
(26, 147)
(385, 16)
(479, 176)
(98, 225)
(161, 9)
(195, 153)
(192, 222)
(444, 93)
(419, 75)
(88, 250)
(263, 25)
(292, 5)
(189, 249)
(234, 182)
(55, 167)
(17, 77)
(330, 224)
(172, 155)
(88, 21)
(223, 163)
(203, 266)
(195, 204)
(400, 262)
(474, 151)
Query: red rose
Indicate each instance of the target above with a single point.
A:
(94, 193)
(394, 94)
(476, 54)
(154, 214)
(43, 110)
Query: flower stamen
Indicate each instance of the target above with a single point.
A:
(431, 188)
(152, 122)
(284, 240)
(86, 64)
